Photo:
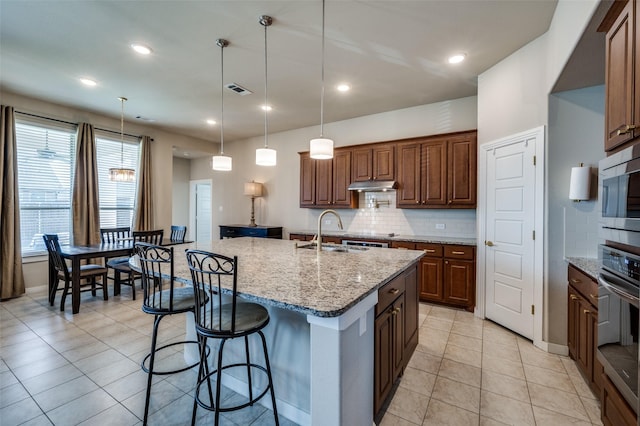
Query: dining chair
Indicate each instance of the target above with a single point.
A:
(89, 271)
(120, 268)
(178, 233)
(162, 296)
(224, 318)
(113, 236)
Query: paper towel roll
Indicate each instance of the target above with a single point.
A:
(580, 183)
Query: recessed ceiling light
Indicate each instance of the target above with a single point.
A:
(456, 59)
(141, 48)
(211, 122)
(266, 107)
(343, 87)
(88, 82)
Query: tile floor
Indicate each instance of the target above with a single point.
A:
(63, 369)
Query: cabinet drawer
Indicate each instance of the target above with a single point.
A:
(390, 292)
(403, 245)
(459, 252)
(431, 250)
(300, 237)
(584, 285)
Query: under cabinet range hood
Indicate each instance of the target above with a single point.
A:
(373, 186)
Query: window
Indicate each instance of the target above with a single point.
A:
(46, 160)
(117, 199)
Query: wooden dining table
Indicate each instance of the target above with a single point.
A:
(78, 253)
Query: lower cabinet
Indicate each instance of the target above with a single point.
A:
(448, 275)
(396, 333)
(615, 410)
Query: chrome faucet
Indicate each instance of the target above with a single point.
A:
(319, 236)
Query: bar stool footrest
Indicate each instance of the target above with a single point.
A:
(164, 373)
(236, 407)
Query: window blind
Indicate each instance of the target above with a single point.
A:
(46, 163)
(116, 199)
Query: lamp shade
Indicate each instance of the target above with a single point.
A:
(221, 162)
(579, 188)
(321, 148)
(265, 157)
(253, 189)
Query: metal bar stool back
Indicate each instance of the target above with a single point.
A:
(162, 296)
(223, 317)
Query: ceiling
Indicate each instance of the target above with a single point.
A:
(393, 54)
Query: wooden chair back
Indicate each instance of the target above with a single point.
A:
(113, 235)
(178, 233)
(151, 237)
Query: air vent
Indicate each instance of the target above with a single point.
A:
(238, 89)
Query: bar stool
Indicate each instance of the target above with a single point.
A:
(161, 298)
(221, 319)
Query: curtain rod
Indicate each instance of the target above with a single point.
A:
(75, 124)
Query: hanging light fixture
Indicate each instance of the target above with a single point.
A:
(265, 156)
(122, 174)
(221, 162)
(321, 148)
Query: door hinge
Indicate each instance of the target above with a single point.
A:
(533, 234)
(534, 160)
(533, 310)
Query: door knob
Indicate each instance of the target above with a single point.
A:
(488, 243)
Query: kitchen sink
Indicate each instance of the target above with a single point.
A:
(335, 248)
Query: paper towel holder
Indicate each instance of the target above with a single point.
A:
(580, 185)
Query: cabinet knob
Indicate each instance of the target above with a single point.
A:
(575, 280)
(586, 311)
(623, 130)
(457, 252)
(573, 297)
(429, 251)
(449, 202)
(418, 202)
(488, 243)
(394, 291)
(593, 296)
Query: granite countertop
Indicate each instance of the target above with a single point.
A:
(588, 265)
(275, 272)
(393, 237)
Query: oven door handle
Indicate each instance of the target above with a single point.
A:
(634, 300)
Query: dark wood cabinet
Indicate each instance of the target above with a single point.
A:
(459, 282)
(374, 162)
(324, 183)
(438, 172)
(396, 332)
(614, 409)
(622, 75)
(582, 337)
(233, 231)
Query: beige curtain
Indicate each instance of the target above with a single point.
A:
(86, 213)
(11, 276)
(143, 220)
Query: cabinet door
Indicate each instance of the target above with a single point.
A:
(619, 75)
(408, 193)
(461, 172)
(324, 184)
(307, 181)
(584, 353)
(362, 164)
(398, 336)
(459, 282)
(410, 313)
(341, 179)
(596, 367)
(431, 285)
(614, 408)
(383, 162)
(573, 321)
(434, 173)
(383, 368)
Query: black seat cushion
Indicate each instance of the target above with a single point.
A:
(89, 269)
(183, 300)
(249, 316)
(117, 260)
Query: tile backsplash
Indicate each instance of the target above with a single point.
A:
(378, 215)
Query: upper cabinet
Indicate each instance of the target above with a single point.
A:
(622, 80)
(438, 172)
(324, 183)
(374, 162)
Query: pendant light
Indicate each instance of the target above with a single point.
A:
(321, 148)
(221, 162)
(122, 174)
(265, 156)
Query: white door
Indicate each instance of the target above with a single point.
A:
(200, 211)
(510, 224)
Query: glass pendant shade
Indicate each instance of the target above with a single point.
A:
(265, 157)
(321, 148)
(221, 163)
(122, 175)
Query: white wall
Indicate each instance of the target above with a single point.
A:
(513, 96)
(576, 124)
(280, 205)
(180, 191)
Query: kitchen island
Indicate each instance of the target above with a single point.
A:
(321, 334)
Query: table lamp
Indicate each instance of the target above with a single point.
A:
(253, 189)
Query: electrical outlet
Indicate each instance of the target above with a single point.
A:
(440, 226)
(328, 221)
